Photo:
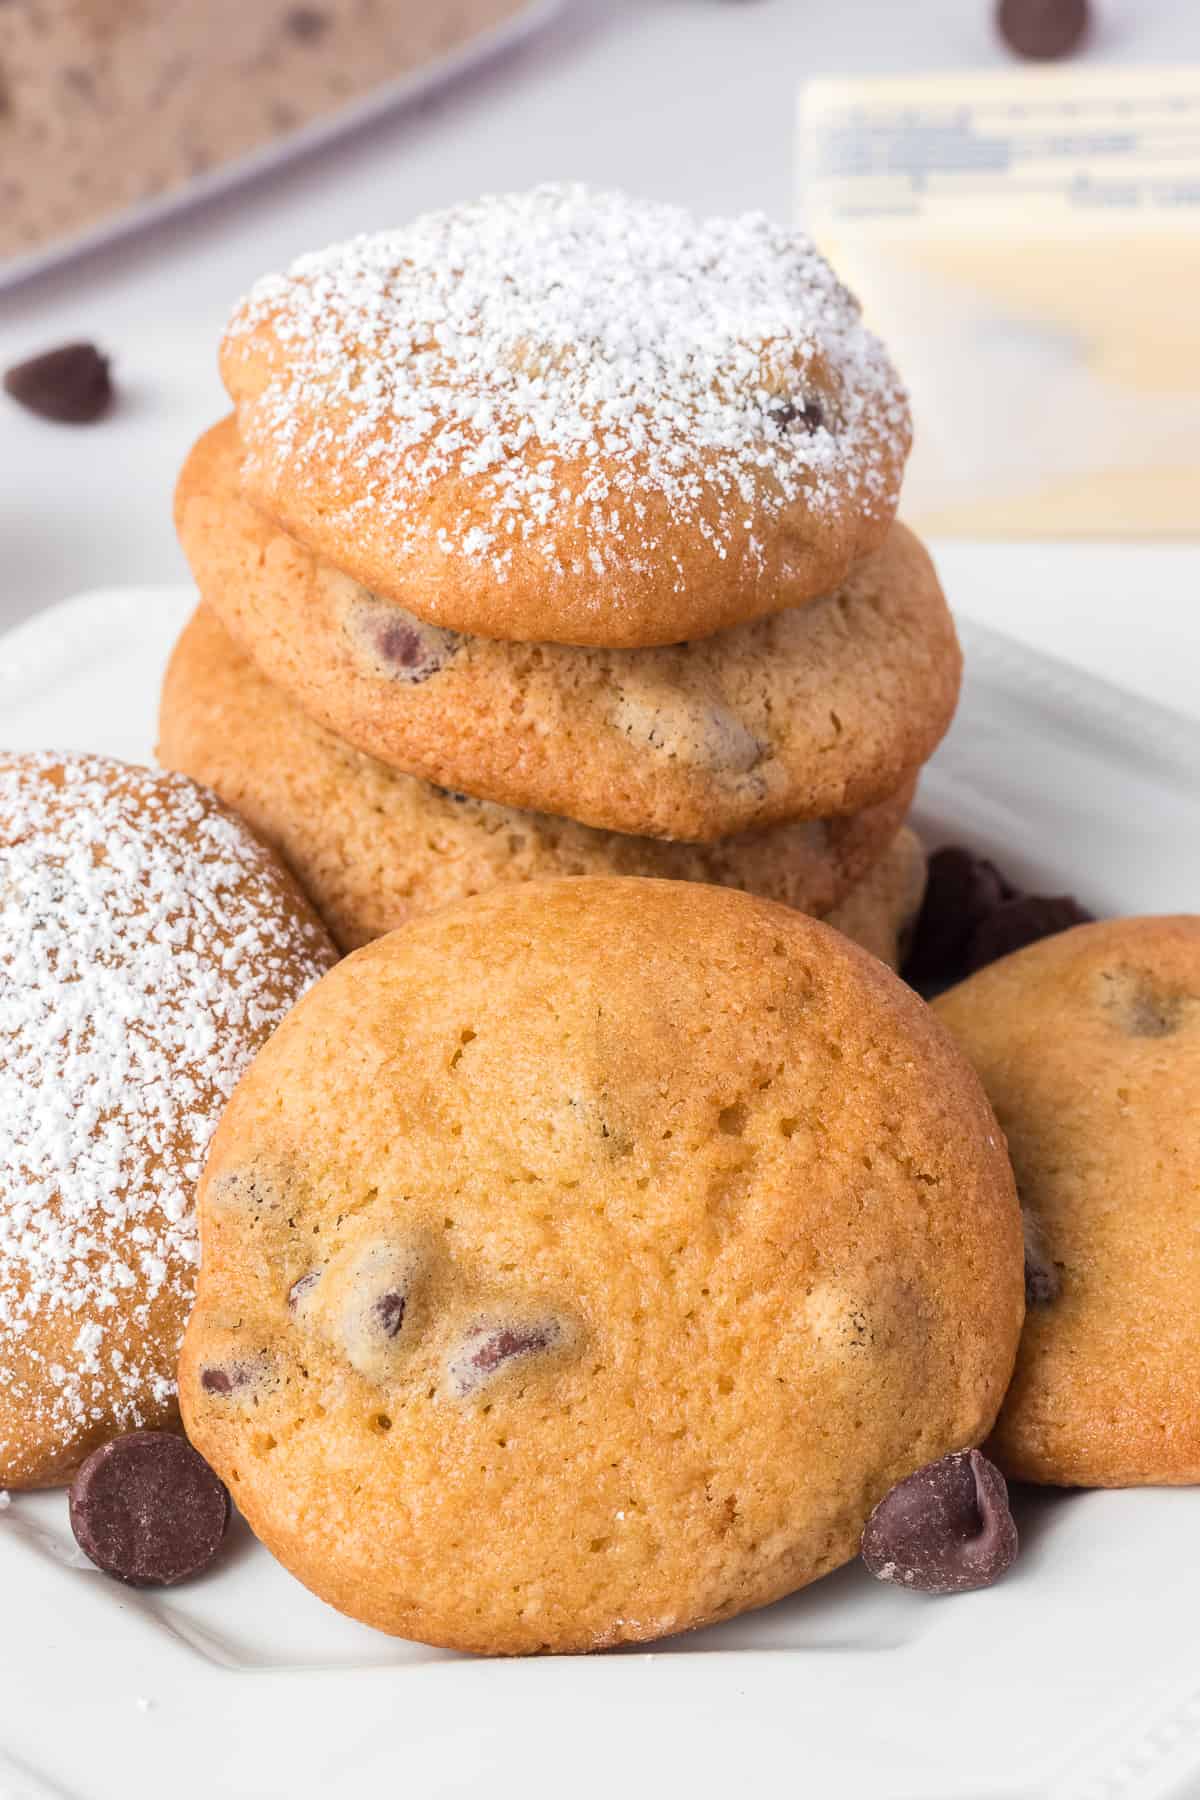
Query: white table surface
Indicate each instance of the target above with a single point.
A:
(691, 100)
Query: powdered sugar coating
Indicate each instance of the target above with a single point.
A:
(579, 353)
(148, 945)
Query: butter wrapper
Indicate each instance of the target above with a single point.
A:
(1028, 244)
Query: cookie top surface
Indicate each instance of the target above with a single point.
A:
(148, 943)
(571, 417)
(584, 1262)
(372, 847)
(1089, 1046)
(826, 708)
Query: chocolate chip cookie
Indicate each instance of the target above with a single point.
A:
(372, 847)
(1089, 1047)
(571, 417)
(822, 710)
(584, 1262)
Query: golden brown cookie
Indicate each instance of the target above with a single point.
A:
(1089, 1047)
(372, 847)
(881, 909)
(571, 417)
(826, 709)
(583, 1262)
(148, 945)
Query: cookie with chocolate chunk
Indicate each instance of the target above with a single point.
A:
(822, 710)
(571, 417)
(373, 847)
(1088, 1044)
(544, 1235)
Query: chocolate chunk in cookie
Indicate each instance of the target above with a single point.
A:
(945, 1530)
(492, 1348)
(147, 1509)
(1043, 1277)
(233, 1378)
(71, 385)
(404, 648)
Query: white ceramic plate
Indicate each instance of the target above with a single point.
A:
(388, 96)
(1076, 1678)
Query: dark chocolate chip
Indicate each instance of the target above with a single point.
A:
(962, 889)
(388, 1311)
(300, 1288)
(944, 1530)
(1142, 1007)
(1016, 923)
(809, 414)
(70, 385)
(490, 1348)
(147, 1509)
(1043, 29)
(306, 23)
(1043, 1280)
(407, 648)
(227, 1380)
(1151, 1016)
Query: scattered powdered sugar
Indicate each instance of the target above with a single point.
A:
(577, 351)
(147, 947)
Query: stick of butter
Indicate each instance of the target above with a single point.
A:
(1028, 244)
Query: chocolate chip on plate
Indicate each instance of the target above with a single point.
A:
(147, 1509)
(1043, 29)
(70, 385)
(1016, 923)
(962, 889)
(945, 1530)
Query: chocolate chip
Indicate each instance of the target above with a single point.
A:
(1043, 1279)
(945, 1530)
(403, 647)
(809, 414)
(306, 23)
(229, 1379)
(1141, 1006)
(367, 1300)
(147, 1509)
(303, 1286)
(490, 1348)
(1043, 29)
(1017, 923)
(389, 1311)
(962, 889)
(70, 385)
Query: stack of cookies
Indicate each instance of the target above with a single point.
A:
(554, 535)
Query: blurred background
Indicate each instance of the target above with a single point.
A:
(1024, 229)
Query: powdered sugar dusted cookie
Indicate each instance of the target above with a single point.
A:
(584, 1262)
(148, 945)
(571, 417)
(823, 709)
